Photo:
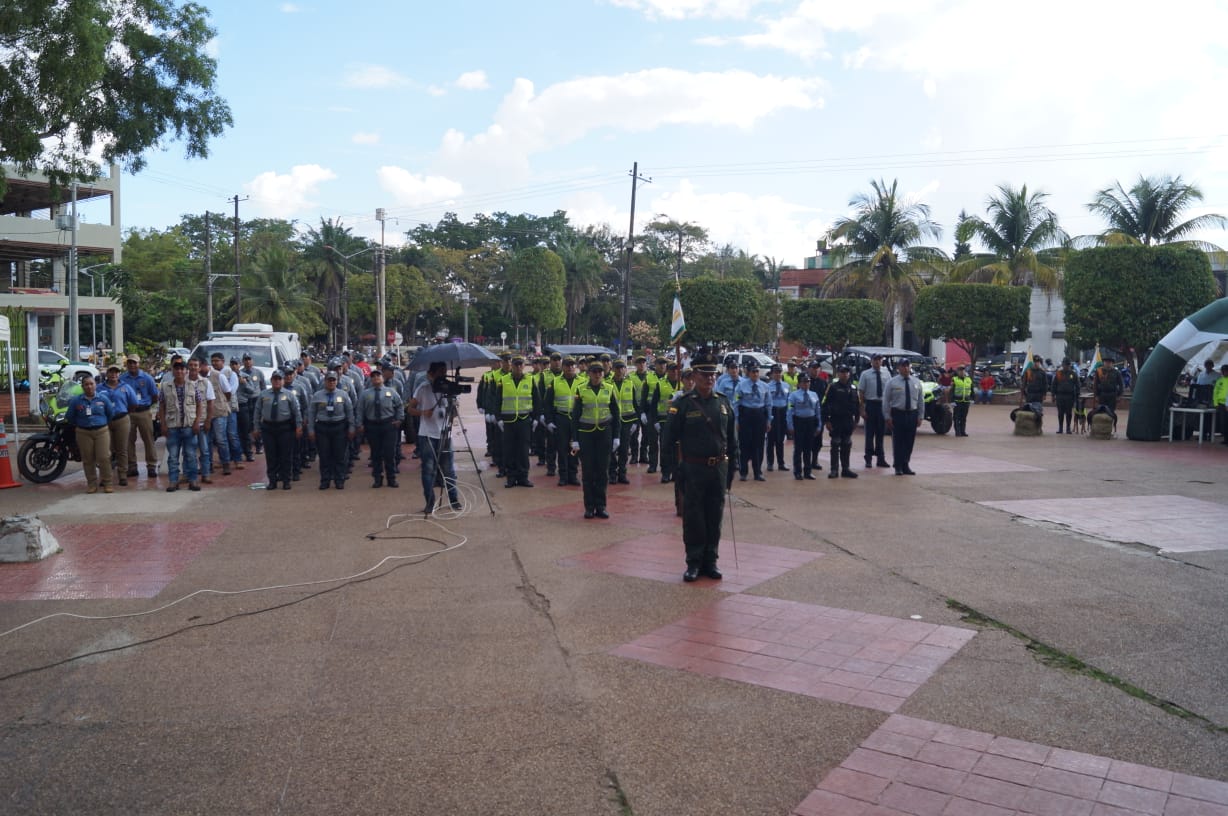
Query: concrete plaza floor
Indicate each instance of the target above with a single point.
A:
(1029, 625)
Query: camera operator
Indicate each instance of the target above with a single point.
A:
(431, 403)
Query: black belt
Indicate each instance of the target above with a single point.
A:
(880, 399)
(710, 461)
(276, 423)
(119, 416)
(903, 410)
(137, 409)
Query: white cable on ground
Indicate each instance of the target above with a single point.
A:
(463, 540)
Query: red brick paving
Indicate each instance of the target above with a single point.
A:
(661, 557)
(832, 654)
(625, 511)
(911, 766)
(109, 561)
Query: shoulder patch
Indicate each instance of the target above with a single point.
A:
(673, 409)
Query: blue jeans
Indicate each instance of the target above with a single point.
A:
(204, 448)
(180, 442)
(232, 435)
(429, 452)
(220, 439)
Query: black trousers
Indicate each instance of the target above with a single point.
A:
(278, 448)
(776, 438)
(594, 465)
(750, 437)
(331, 445)
(903, 437)
(567, 464)
(876, 429)
(841, 448)
(1065, 412)
(652, 442)
(626, 449)
(247, 417)
(382, 437)
(803, 444)
(516, 448)
(703, 509)
(961, 417)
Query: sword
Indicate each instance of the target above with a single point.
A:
(733, 534)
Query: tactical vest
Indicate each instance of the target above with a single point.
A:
(595, 408)
(517, 397)
(565, 394)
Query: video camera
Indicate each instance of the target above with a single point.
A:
(452, 387)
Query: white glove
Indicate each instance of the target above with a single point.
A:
(575, 446)
(552, 427)
(644, 419)
(490, 419)
(500, 424)
(658, 427)
(534, 428)
(614, 447)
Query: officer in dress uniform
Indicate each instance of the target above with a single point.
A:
(779, 391)
(818, 387)
(870, 389)
(280, 422)
(596, 432)
(752, 407)
(251, 383)
(491, 408)
(560, 400)
(841, 411)
(302, 392)
(629, 420)
(704, 431)
(379, 415)
(802, 419)
(330, 423)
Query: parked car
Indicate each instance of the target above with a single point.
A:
(50, 362)
(743, 357)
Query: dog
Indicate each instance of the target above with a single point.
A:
(1080, 417)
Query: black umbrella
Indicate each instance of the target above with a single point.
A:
(456, 355)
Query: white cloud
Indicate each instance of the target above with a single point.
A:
(473, 81)
(365, 138)
(681, 9)
(435, 90)
(281, 196)
(373, 76)
(413, 190)
(290, 8)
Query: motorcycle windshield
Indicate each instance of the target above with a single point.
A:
(67, 391)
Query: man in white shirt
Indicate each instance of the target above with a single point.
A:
(870, 389)
(434, 437)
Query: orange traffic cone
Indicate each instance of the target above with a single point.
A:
(6, 470)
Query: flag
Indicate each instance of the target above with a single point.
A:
(677, 327)
(1097, 361)
(1027, 358)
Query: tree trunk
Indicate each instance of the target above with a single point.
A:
(897, 326)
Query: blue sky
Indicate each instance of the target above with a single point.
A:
(758, 119)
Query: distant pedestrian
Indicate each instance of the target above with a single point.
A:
(961, 397)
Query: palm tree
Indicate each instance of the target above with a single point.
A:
(585, 268)
(887, 260)
(1149, 213)
(274, 292)
(1023, 237)
(327, 267)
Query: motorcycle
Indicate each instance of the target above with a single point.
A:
(937, 413)
(44, 455)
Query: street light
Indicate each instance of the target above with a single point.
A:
(466, 299)
(345, 291)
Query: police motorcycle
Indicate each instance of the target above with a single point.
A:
(937, 412)
(44, 455)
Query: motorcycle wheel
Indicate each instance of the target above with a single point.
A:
(39, 462)
(942, 419)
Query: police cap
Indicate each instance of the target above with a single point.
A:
(751, 365)
(517, 360)
(247, 356)
(671, 367)
(595, 367)
(641, 359)
(331, 375)
(704, 361)
(656, 361)
(556, 356)
(505, 355)
(276, 375)
(776, 367)
(335, 363)
(843, 369)
(234, 359)
(619, 364)
(569, 361)
(813, 364)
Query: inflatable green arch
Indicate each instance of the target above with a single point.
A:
(1164, 365)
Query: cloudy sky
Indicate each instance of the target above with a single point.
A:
(758, 119)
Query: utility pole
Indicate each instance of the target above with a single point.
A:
(74, 331)
(626, 314)
(208, 276)
(238, 312)
(381, 322)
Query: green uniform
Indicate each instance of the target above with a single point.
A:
(703, 431)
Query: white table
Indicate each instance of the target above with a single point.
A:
(1202, 415)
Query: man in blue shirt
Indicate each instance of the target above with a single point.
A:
(779, 391)
(141, 415)
(122, 397)
(90, 413)
(752, 408)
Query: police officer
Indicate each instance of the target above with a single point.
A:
(633, 441)
(841, 410)
(515, 400)
(596, 431)
(704, 430)
(752, 407)
(802, 419)
(870, 389)
(818, 386)
(1065, 393)
(629, 420)
(650, 420)
(779, 391)
(549, 448)
(961, 395)
(90, 413)
(122, 397)
(330, 423)
(302, 393)
(538, 433)
(251, 383)
(1035, 382)
(660, 447)
(280, 422)
(792, 375)
(560, 399)
(379, 415)
(494, 429)
(1108, 386)
(903, 408)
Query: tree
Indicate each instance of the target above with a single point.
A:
(716, 311)
(97, 75)
(584, 268)
(275, 292)
(679, 240)
(832, 322)
(536, 278)
(1150, 213)
(963, 250)
(643, 334)
(1023, 239)
(1128, 297)
(323, 252)
(972, 315)
(886, 258)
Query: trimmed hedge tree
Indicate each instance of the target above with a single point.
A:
(833, 322)
(972, 315)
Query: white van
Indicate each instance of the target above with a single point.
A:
(266, 352)
(291, 348)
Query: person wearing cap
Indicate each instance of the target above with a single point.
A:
(753, 408)
(637, 450)
(482, 397)
(818, 387)
(538, 432)
(141, 415)
(1035, 382)
(961, 396)
(560, 400)
(871, 386)
(1065, 387)
(903, 408)
(204, 448)
(299, 387)
(388, 372)
(660, 451)
(379, 415)
(90, 413)
(841, 411)
(251, 383)
(550, 453)
(280, 417)
(181, 411)
(515, 400)
(1108, 388)
(704, 434)
(330, 422)
(122, 398)
(727, 383)
(650, 419)
(1219, 400)
(596, 432)
(629, 419)
(220, 409)
(802, 418)
(779, 391)
(790, 375)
